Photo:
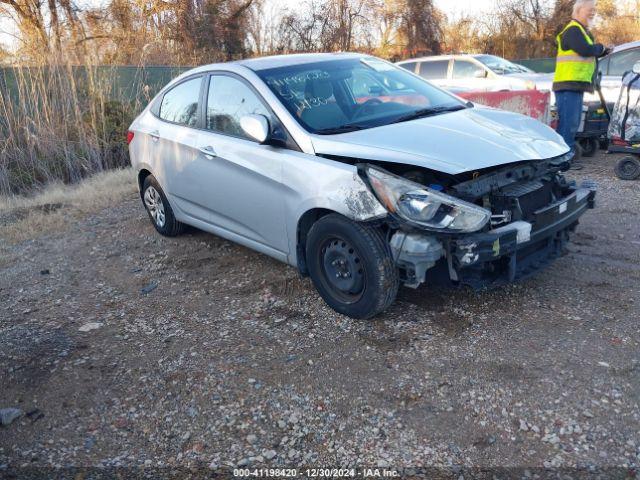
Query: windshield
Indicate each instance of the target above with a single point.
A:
(337, 96)
(501, 66)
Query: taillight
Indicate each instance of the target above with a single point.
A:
(129, 137)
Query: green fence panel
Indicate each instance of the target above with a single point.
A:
(121, 83)
(539, 65)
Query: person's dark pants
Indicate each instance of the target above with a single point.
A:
(569, 104)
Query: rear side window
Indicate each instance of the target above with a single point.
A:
(180, 104)
(411, 66)
(623, 62)
(465, 69)
(436, 70)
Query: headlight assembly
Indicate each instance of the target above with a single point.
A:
(424, 206)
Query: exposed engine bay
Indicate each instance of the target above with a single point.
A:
(533, 209)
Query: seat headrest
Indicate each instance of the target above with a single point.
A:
(319, 88)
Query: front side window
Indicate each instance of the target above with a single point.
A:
(603, 65)
(463, 69)
(180, 104)
(229, 100)
(364, 85)
(435, 70)
(344, 95)
(622, 62)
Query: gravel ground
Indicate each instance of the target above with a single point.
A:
(121, 348)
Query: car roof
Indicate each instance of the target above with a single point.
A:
(274, 61)
(626, 46)
(441, 57)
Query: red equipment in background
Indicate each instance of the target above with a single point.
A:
(532, 103)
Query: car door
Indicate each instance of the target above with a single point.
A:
(617, 64)
(237, 180)
(466, 74)
(173, 142)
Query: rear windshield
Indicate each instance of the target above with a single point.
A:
(355, 93)
(501, 66)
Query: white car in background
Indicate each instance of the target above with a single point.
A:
(486, 73)
(613, 67)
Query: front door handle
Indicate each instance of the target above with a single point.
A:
(208, 151)
(155, 135)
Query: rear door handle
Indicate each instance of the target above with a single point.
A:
(208, 151)
(155, 135)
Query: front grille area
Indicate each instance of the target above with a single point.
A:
(519, 265)
(522, 199)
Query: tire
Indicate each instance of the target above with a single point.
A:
(578, 152)
(589, 146)
(628, 168)
(351, 266)
(159, 210)
(604, 144)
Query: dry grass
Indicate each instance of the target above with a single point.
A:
(55, 207)
(58, 122)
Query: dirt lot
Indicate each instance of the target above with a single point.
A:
(204, 354)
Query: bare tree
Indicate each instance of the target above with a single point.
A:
(421, 26)
(561, 15)
(620, 21)
(29, 16)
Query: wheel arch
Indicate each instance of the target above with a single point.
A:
(305, 222)
(143, 173)
(310, 217)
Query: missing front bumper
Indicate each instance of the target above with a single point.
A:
(507, 255)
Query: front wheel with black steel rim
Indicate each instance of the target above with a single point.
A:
(158, 208)
(628, 168)
(351, 266)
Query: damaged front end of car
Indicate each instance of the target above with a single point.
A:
(483, 228)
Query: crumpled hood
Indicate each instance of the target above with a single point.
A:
(455, 142)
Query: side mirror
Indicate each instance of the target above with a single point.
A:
(636, 68)
(256, 127)
(480, 74)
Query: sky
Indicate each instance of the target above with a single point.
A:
(466, 6)
(451, 7)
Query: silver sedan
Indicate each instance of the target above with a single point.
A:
(357, 173)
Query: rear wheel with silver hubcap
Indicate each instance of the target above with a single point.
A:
(158, 208)
(155, 207)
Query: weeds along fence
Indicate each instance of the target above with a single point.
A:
(62, 122)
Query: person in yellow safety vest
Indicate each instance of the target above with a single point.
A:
(575, 69)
